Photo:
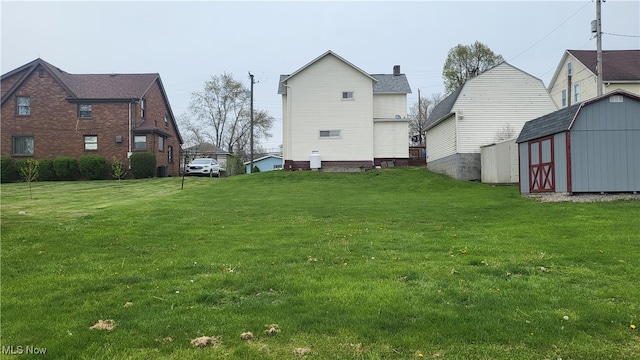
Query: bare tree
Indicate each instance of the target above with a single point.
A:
(507, 132)
(419, 113)
(220, 113)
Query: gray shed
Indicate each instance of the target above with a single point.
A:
(593, 146)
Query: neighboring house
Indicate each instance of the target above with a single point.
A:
(207, 150)
(495, 103)
(265, 163)
(575, 79)
(592, 146)
(47, 113)
(351, 119)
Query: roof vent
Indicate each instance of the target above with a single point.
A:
(396, 70)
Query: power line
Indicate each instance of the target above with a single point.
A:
(552, 31)
(631, 36)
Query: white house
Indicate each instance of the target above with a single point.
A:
(575, 79)
(348, 119)
(492, 105)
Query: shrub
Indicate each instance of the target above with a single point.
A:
(255, 169)
(143, 165)
(8, 170)
(47, 171)
(92, 167)
(235, 166)
(66, 168)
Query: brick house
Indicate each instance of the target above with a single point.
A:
(47, 113)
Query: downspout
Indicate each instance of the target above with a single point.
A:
(288, 147)
(130, 137)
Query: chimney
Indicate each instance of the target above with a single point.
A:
(396, 70)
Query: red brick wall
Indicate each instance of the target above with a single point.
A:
(58, 131)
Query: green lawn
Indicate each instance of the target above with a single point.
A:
(393, 264)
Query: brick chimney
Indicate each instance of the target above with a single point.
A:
(396, 70)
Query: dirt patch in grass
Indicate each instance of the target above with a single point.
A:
(272, 329)
(107, 325)
(246, 336)
(300, 352)
(204, 341)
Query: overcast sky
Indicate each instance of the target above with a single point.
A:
(188, 42)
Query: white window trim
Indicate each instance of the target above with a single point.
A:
(330, 134)
(576, 93)
(350, 96)
(563, 98)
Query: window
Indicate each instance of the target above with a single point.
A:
(347, 95)
(23, 105)
(166, 122)
(277, 166)
(564, 98)
(576, 93)
(84, 110)
(143, 108)
(170, 154)
(140, 142)
(160, 143)
(90, 142)
(329, 133)
(23, 145)
(569, 68)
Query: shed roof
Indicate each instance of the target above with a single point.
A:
(560, 120)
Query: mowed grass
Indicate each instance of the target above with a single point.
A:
(393, 264)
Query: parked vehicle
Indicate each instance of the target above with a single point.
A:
(203, 166)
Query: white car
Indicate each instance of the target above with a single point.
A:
(203, 166)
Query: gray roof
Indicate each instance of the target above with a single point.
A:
(444, 107)
(391, 84)
(549, 124)
(560, 120)
(385, 84)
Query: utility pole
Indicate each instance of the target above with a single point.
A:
(420, 122)
(599, 45)
(251, 139)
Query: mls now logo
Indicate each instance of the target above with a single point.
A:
(19, 350)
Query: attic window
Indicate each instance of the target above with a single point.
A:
(41, 72)
(347, 95)
(325, 134)
(616, 99)
(166, 122)
(569, 69)
(143, 108)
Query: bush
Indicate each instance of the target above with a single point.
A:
(92, 167)
(66, 168)
(47, 171)
(143, 165)
(235, 166)
(255, 169)
(117, 169)
(8, 170)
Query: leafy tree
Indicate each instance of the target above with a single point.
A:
(418, 113)
(29, 173)
(117, 169)
(467, 61)
(220, 113)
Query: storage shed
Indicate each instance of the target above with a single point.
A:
(593, 146)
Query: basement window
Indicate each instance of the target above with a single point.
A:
(347, 95)
(329, 134)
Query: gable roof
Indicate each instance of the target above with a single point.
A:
(560, 120)
(444, 108)
(618, 65)
(109, 87)
(383, 83)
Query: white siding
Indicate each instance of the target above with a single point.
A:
(502, 96)
(391, 139)
(315, 103)
(387, 106)
(441, 140)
